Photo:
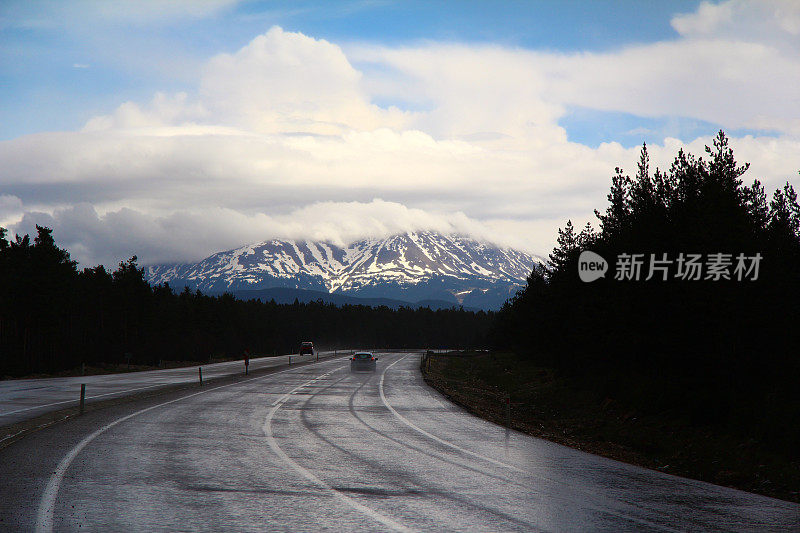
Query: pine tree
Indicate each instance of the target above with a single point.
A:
(784, 215)
(642, 192)
(567, 243)
(618, 210)
(722, 168)
(587, 237)
(755, 200)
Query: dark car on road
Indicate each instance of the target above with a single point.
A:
(307, 348)
(363, 361)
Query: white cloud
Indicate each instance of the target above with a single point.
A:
(772, 21)
(11, 209)
(283, 139)
(284, 81)
(468, 90)
(190, 235)
(735, 84)
(521, 93)
(163, 110)
(706, 20)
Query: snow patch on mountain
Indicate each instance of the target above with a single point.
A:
(453, 264)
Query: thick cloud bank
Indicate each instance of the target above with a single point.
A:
(285, 138)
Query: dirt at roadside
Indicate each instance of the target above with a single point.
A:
(544, 405)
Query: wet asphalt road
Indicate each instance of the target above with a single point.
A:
(21, 399)
(316, 448)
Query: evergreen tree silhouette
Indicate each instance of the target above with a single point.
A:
(716, 352)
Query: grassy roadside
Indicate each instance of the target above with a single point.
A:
(546, 405)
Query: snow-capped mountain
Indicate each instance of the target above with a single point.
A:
(410, 266)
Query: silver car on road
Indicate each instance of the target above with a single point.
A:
(363, 361)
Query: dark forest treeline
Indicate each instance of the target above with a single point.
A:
(55, 317)
(724, 352)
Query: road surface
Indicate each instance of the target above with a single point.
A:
(316, 448)
(22, 399)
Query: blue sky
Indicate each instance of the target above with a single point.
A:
(172, 130)
(41, 88)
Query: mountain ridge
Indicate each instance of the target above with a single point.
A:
(410, 266)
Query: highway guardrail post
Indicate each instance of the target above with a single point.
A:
(200, 373)
(83, 397)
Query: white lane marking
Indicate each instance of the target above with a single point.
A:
(91, 397)
(410, 424)
(188, 379)
(418, 429)
(47, 503)
(267, 428)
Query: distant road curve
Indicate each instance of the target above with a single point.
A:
(315, 447)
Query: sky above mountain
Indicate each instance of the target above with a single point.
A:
(173, 130)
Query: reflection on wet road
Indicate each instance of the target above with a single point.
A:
(316, 447)
(22, 399)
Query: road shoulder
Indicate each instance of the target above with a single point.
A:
(509, 392)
